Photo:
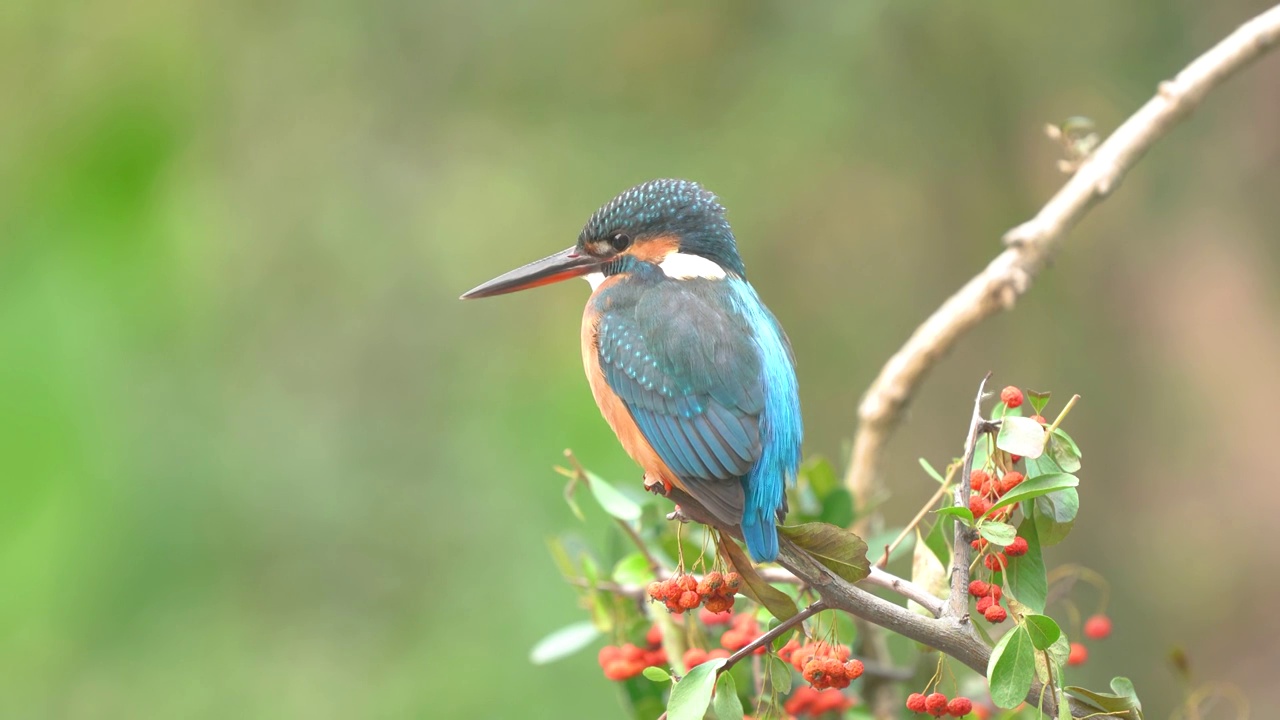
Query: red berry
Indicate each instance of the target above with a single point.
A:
(936, 704)
(1039, 419)
(732, 582)
(709, 616)
(1079, 653)
(996, 561)
(631, 653)
(655, 658)
(959, 707)
(853, 669)
(672, 589)
(801, 701)
(1097, 627)
(995, 592)
(995, 614)
(979, 505)
(654, 637)
(621, 670)
(1017, 548)
(979, 544)
(1014, 458)
(977, 588)
(915, 702)
(608, 654)
(711, 583)
(978, 478)
(1011, 396)
(984, 603)
(690, 600)
(694, 656)
(1011, 480)
(656, 591)
(815, 673)
(718, 606)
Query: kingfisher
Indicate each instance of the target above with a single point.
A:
(689, 368)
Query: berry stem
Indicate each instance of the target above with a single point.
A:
(915, 521)
(580, 474)
(1061, 416)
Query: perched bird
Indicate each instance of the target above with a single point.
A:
(688, 366)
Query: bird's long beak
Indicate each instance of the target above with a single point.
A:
(561, 266)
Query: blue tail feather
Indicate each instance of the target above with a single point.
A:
(761, 535)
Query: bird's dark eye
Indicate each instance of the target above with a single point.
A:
(620, 241)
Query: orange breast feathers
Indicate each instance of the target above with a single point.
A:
(615, 411)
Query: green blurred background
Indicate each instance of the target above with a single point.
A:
(257, 461)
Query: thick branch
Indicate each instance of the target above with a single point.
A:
(1031, 244)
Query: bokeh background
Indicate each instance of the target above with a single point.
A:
(257, 461)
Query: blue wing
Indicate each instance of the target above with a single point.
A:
(692, 365)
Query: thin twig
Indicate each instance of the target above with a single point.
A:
(1031, 244)
(816, 607)
(581, 475)
(915, 521)
(958, 607)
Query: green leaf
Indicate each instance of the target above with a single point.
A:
(754, 586)
(726, 703)
(1124, 706)
(1057, 656)
(998, 533)
(839, 550)
(1055, 514)
(1043, 630)
(932, 473)
(1036, 487)
(779, 674)
(691, 696)
(613, 502)
(1063, 453)
(1026, 574)
(633, 570)
(936, 541)
(964, 514)
(1038, 400)
(563, 642)
(837, 508)
(656, 674)
(1064, 705)
(1011, 669)
(1021, 436)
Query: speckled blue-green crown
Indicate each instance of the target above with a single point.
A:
(681, 208)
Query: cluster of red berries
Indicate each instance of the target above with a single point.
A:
(823, 665)
(813, 702)
(686, 592)
(744, 629)
(627, 661)
(937, 705)
(1097, 627)
(988, 606)
(988, 489)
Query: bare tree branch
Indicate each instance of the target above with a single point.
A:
(1032, 243)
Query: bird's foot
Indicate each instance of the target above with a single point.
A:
(678, 515)
(657, 486)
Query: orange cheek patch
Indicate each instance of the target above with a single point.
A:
(655, 250)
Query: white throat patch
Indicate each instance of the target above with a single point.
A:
(681, 266)
(595, 279)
